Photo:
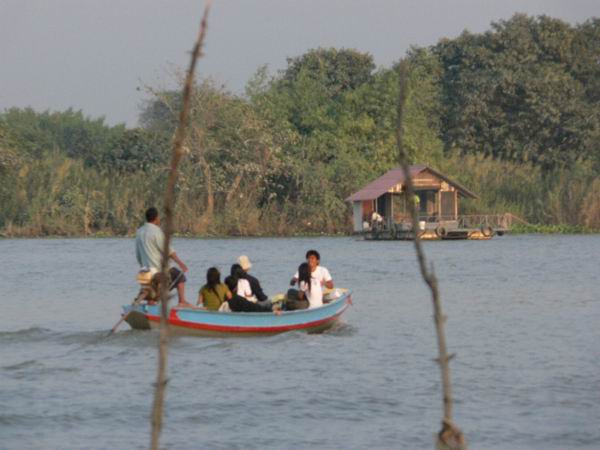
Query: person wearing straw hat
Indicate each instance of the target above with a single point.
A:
(255, 286)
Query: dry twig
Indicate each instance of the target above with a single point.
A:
(177, 153)
(450, 437)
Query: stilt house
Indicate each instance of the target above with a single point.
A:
(436, 197)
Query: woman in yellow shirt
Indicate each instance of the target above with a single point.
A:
(213, 293)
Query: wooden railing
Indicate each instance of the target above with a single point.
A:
(501, 222)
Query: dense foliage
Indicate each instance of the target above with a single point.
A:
(525, 91)
(513, 113)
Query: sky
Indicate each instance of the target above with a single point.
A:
(99, 55)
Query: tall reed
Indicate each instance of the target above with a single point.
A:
(450, 437)
(177, 154)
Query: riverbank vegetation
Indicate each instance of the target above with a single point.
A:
(512, 113)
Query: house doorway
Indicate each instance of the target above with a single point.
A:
(427, 204)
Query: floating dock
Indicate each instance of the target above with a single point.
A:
(473, 227)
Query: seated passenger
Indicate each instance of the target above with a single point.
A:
(309, 290)
(237, 303)
(319, 274)
(255, 286)
(310, 294)
(213, 293)
(243, 285)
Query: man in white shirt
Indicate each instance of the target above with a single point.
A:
(320, 279)
(149, 242)
(318, 273)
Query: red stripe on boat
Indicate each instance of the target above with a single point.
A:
(276, 329)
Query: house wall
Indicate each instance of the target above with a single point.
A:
(428, 180)
(388, 209)
(448, 204)
(367, 209)
(399, 207)
(357, 211)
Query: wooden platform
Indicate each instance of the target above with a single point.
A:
(434, 228)
(437, 234)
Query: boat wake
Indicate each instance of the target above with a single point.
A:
(22, 365)
(32, 334)
(133, 338)
(342, 329)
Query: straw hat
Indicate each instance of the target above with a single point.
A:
(244, 261)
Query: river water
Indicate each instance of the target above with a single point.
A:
(524, 320)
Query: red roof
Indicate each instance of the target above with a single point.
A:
(395, 176)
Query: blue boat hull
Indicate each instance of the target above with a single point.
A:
(212, 323)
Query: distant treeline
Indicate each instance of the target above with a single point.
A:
(513, 114)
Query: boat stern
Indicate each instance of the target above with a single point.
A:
(136, 319)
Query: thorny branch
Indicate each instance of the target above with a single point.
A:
(177, 153)
(450, 437)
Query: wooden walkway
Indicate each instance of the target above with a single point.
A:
(474, 227)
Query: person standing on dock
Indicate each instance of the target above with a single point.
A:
(376, 221)
(149, 242)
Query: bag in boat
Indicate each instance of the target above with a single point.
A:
(225, 307)
(144, 276)
(149, 282)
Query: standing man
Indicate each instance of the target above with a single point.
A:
(255, 286)
(149, 242)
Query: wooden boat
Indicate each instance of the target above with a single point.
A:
(203, 322)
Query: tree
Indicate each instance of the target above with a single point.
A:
(337, 70)
(137, 149)
(585, 65)
(510, 93)
(159, 112)
(68, 132)
(9, 158)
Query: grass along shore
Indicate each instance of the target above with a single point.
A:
(518, 229)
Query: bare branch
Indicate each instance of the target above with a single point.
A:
(450, 437)
(177, 153)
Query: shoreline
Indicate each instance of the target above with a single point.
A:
(176, 235)
(518, 230)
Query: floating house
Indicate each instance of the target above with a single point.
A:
(380, 209)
